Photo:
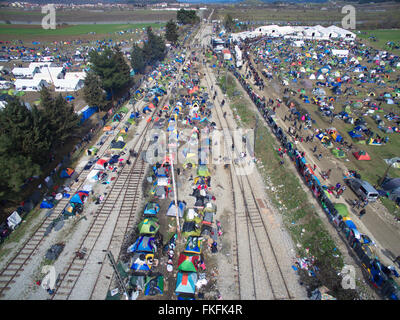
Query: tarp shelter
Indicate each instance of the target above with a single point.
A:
(188, 263)
(87, 112)
(46, 205)
(32, 201)
(67, 173)
(171, 212)
(361, 155)
(13, 220)
(391, 184)
(148, 226)
(186, 282)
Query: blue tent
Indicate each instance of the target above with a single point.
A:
(79, 197)
(46, 204)
(67, 173)
(354, 134)
(143, 244)
(186, 282)
(193, 245)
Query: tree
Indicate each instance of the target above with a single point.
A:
(112, 69)
(154, 49)
(16, 126)
(229, 23)
(187, 16)
(138, 61)
(171, 32)
(93, 92)
(60, 117)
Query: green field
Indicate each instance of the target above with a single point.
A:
(70, 30)
(382, 37)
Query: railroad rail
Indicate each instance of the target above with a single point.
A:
(250, 223)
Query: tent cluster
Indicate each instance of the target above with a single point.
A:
(343, 86)
(380, 275)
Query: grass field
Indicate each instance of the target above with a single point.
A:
(70, 30)
(382, 37)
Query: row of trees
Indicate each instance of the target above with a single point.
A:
(28, 137)
(187, 16)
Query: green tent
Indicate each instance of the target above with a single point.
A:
(203, 171)
(188, 263)
(123, 110)
(356, 105)
(148, 226)
(338, 153)
(342, 209)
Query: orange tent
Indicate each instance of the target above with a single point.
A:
(361, 155)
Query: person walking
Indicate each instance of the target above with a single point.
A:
(315, 149)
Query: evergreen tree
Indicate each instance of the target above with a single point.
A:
(171, 32)
(112, 69)
(61, 119)
(138, 61)
(154, 49)
(93, 92)
(229, 23)
(187, 16)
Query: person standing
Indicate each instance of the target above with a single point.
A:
(362, 212)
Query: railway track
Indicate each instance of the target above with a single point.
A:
(101, 288)
(15, 266)
(257, 262)
(119, 211)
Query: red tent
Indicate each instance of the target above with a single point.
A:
(362, 155)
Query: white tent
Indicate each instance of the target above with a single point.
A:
(29, 84)
(312, 77)
(65, 85)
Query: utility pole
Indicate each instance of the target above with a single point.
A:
(178, 229)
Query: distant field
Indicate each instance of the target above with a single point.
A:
(382, 37)
(81, 16)
(25, 31)
(371, 16)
